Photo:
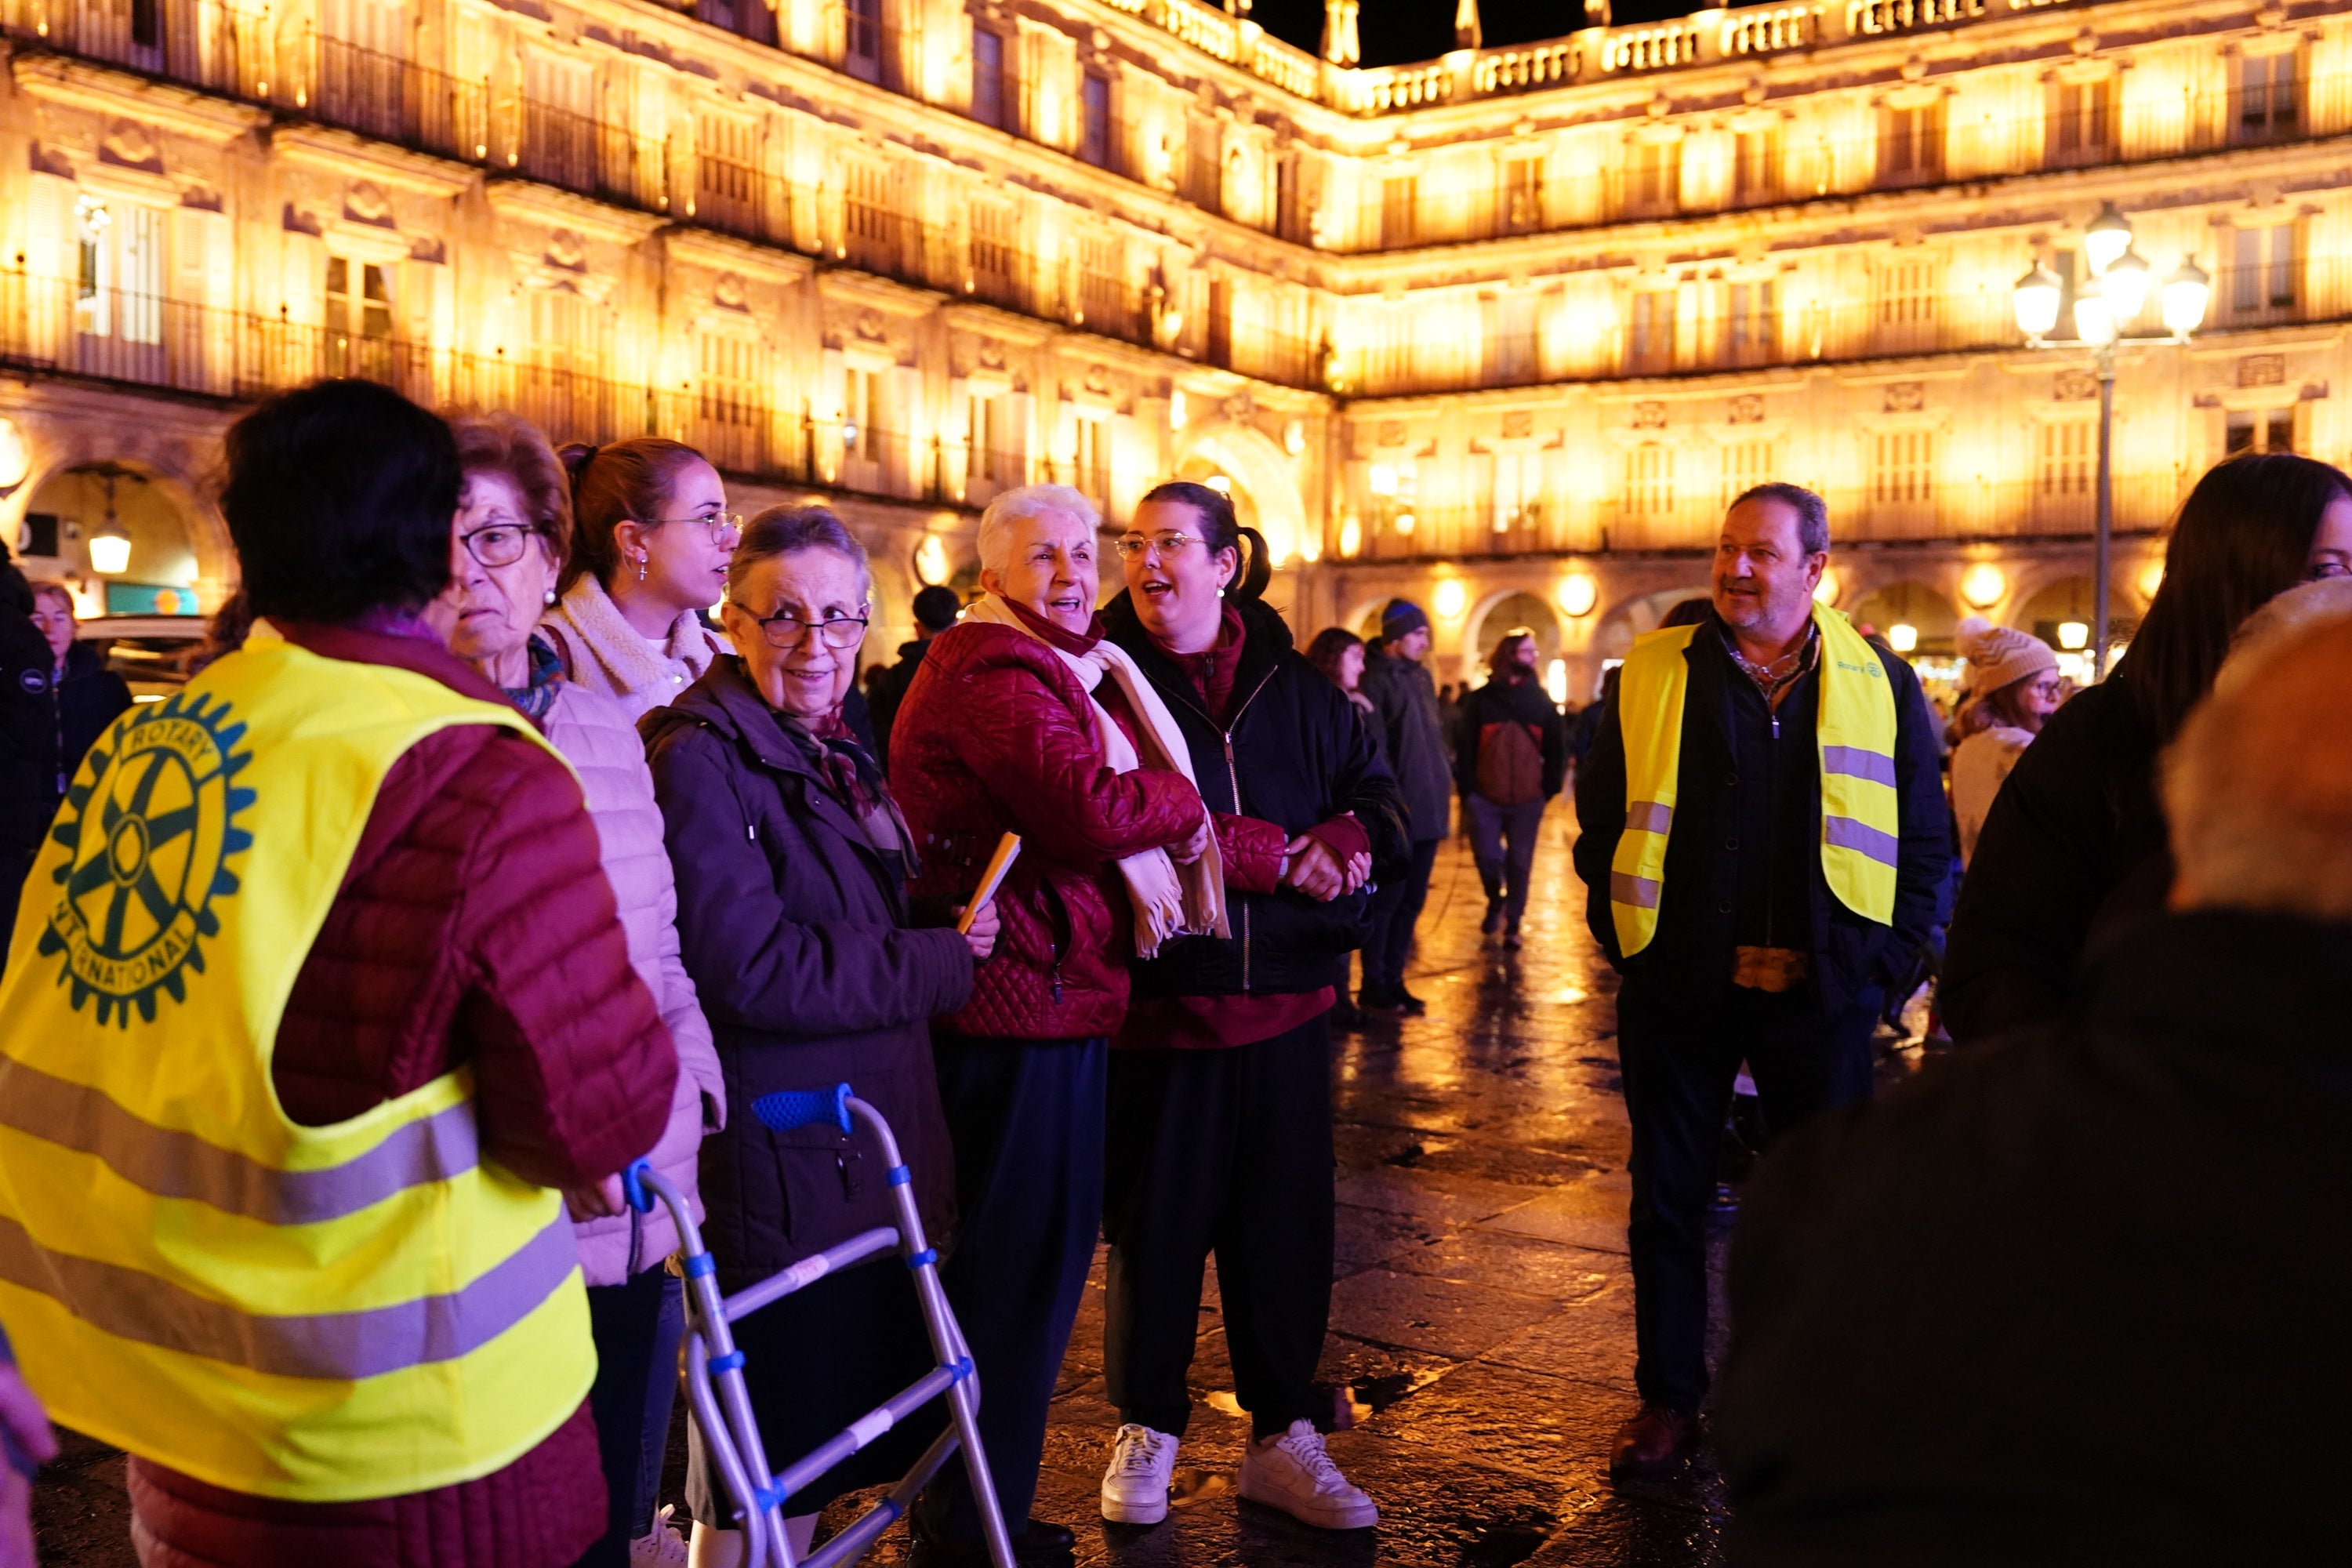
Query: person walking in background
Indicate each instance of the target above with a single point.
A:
(1510, 759)
(1411, 732)
(2074, 845)
(445, 1057)
(1338, 653)
(508, 540)
(28, 740)
(650, 537)
(793, 919)
(1220, 1125)
(1966, 1327)
(1764, 840)
(2013, 687)
(936, 608)
(84, 695)
(1014, 724)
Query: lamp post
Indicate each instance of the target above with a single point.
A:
(2117, 294)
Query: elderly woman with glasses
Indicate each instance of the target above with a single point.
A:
(650, 537)
(508, 538)
(1024, 718)
(813, 969)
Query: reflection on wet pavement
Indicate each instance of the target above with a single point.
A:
(1481, 1352)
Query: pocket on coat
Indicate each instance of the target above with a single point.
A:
(832, 1185)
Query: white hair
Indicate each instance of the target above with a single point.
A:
(2258, 787)
(1019, 506)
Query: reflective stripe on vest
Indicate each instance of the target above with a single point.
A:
(319, 1313)
(1860, 815)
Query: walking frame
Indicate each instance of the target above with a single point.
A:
(721, 1400)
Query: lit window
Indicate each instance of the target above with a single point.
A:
(2270, 94)
(1911, 145)
(2262, 271)
(2260, 430)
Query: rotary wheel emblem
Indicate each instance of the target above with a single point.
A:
(148, 829)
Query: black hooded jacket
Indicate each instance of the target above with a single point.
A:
(1296, 755)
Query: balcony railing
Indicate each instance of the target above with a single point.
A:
(1684, 518)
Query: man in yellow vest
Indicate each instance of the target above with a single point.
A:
(1764, 839)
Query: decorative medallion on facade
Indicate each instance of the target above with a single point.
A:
(2075, 387)
(1649, 416)
(149, 828)
(992, 355)
(1098, 380)
(566, 251)
(870, 325)
(727, 292)
(1390, 434)
(1747, 408)
(1517, 424)
(128, 143)
(366, 203)
(1906, 396)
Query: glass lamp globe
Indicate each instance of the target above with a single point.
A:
(2123, 286)
(2036, 297)
(2186, 294)
(2095, 321)
(2109, 236)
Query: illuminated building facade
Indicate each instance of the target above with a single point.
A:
(1500, 332)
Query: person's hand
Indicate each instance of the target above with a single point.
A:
(982, 937)
(602, 1201)
(1192, 848)
(1309, 866)
(1359, 871)
(29, 1431)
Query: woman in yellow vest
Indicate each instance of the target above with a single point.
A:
(318, 1007)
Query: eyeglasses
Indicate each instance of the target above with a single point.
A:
(2049, 688)
(726, 528)
(500, 544)
(1134, 544)
(841, 633)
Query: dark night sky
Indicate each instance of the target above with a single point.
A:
(1396, 31)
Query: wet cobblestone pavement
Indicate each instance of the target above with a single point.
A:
(1481, 1349)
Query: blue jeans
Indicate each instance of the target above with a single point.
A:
(637, 1325)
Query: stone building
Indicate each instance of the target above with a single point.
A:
(1501, 330)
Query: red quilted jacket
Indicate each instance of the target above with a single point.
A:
(474, 925)
(997, 735)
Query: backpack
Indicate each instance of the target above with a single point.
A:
(1510, 764)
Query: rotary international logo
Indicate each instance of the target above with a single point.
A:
(148, 829)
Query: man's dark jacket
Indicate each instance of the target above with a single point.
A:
(1296, 755)
(2076, 1296)
(1713, 875)
(2072, 848)
(1501, 701)
(1413, 738)
(886, 691)
(28, 756)
(89, 697)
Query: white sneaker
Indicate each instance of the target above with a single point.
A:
(664, 1548)
(1293, 1473)
(1135, 1487)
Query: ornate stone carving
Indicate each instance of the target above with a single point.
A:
(1098, 380)
(1391, 433)
(1518, 424)
(366, 203)
(992, 355)
(2075, 387)
(567, 251)
(129, 144)
(1649, 416)
(1747, 408)
(727, 292)
(1906, 396)
(2261, 370)
(871, 326)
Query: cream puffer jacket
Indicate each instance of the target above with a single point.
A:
(595, 735)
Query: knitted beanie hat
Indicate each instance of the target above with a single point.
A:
(1999, 655)
(1402, 618)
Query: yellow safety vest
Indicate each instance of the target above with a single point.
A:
(319, 1313)
(1861, 813)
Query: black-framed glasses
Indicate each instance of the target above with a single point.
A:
(2054, 688)
(1132, 545)
(840, 632)
(497, 544)
(726, 528)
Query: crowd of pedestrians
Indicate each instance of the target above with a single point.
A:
(480, 857)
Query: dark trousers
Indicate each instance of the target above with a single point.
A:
(1226, 1151)
(1396, 910)
(1678, 1049)
(1027, 1117)
(1503, 842)
(637, 1325)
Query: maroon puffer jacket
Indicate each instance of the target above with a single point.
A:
(474, 926)
(997, 735)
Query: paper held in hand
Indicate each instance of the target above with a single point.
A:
(1008, 850)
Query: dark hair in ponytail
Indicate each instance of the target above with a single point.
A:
(1220, 529)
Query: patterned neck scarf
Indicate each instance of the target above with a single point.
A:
(851, 778)
(537, 693)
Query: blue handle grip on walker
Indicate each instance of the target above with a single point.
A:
(632, 1184)
(790, 1108)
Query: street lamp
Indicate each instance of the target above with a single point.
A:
(2103, 313)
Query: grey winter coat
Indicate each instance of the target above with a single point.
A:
(1413, 737)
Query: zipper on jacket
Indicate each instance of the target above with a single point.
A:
(1234, 783)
